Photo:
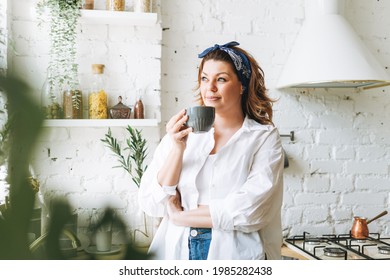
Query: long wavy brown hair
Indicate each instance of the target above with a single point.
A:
(255, 102)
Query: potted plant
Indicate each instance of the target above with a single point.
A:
(62, 70)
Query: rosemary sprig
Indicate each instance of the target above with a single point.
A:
(138, 152)
(136, 145)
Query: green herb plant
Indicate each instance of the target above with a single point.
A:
(133, 162)
(63, 19)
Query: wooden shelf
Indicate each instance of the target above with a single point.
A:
(101, 123)
(117, 17)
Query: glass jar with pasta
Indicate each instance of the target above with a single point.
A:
(97, 98)
(115, 5)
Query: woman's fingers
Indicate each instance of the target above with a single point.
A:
(182, 134)
(176, 118)
(176, 127)
(180, 124)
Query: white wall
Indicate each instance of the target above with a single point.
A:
(339, 161)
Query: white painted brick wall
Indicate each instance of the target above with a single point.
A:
(339, 161)
(341, 136)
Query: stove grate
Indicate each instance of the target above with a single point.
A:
(319, 245)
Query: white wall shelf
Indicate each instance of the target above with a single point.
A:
(117, 17)
(101, 123)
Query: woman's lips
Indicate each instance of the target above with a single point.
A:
(212, 98)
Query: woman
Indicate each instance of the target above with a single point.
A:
(220, 192)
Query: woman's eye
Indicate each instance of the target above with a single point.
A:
(203, 79)
(221, 80)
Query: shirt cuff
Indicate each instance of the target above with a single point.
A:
(171, 190)
(219, 216)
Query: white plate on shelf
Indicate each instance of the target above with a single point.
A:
(93, 250)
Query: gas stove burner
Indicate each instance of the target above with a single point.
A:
(313, 241)
(384, 250)
(334, 252)
(361, 240)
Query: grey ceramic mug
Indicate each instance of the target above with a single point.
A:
(200, 118)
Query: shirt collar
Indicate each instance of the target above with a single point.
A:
(251, 124)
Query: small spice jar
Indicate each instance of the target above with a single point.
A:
(115, 5)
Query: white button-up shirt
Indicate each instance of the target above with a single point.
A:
(246, 193)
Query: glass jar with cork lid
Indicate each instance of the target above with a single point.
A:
(115, 5)
(50, 99)
(72, 104)
(143, 6)
(97, 98)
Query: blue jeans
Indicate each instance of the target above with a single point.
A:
(199, 243)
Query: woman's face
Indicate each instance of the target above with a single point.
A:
(220, 86)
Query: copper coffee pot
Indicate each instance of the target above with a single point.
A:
(360, 229)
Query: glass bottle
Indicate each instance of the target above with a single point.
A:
(50, 101)
(88, 4)
(139, 109)
(115, 5)
(143, 6)
(73, 104)
(97, 99)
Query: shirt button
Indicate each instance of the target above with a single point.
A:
(193, 232)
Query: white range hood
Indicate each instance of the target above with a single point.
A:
(328, 53)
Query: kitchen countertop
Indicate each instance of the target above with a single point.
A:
(82, 255)
(287, 252)
(119, 255)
